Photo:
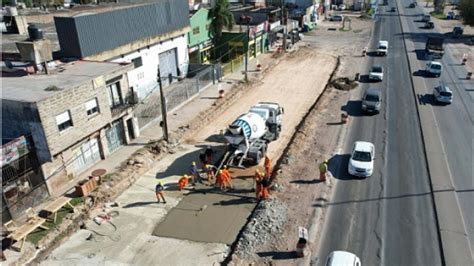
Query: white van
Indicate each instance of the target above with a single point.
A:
(342, 258)
(382, 48)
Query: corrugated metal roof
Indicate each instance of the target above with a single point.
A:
(87, 35)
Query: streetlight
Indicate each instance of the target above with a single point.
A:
(164, 110)
(244, 18)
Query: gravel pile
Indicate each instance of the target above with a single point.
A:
(266, 222)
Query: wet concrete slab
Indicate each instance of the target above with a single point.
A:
(210, 215)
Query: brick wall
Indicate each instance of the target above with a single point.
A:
(74, 100)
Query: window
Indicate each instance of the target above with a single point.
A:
(196, 31)
(92, 107)
(137, 62)
(115, 98)
(208, 26)
(64, 121)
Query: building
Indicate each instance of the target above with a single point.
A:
(153, 37)
(78, 114)
(199, 37)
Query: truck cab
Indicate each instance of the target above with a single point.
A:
(271, 112)
(382, 48)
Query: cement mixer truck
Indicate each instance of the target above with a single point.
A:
(249, 135)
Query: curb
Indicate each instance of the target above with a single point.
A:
(452, 235)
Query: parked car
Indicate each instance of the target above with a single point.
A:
(429, 25)
(411, 5)
(376, 73)
(433, 68)
(341, 7)
(393, 9)
(361, 163)
(450, 15)
(336, 18)
(371, 101)
(342, 258)
(443, 94)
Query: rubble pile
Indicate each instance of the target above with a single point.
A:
(343, 83)
(265, 223)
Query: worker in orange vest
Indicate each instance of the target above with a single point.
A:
(210, 173)
(265, 186)
(183, 181)
(268, 166)
(258, 184)
(220, 180)
(227, 177)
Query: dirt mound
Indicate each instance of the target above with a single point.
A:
(344, 84)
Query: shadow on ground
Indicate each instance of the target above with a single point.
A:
(278, 255)
(337, 165)
(353, 108)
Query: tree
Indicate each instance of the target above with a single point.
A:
(439, 6)
(466, 8)
(221, 18)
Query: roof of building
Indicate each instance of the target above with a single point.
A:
(257, 18)
(33, 88)
(90, 34)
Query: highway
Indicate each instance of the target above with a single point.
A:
(455, 121)
(389, 218)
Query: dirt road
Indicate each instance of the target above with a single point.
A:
(295, 84)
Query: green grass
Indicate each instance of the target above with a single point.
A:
(36, 236)
(342, 29)
(438, 15)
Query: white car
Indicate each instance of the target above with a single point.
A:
(361, 163)
(443, 94)
(434, 68)
(342, 258)
(376, 73)
(382, 48)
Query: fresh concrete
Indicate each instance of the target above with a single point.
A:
(209, 210)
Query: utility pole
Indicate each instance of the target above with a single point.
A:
(283, 23)
(246, 19)
(164, 115)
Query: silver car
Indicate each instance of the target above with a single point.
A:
(443, 94)
(372, 100)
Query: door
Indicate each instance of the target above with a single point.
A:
(115, 136)
(131, 134)
(86, 155)
(168, 65)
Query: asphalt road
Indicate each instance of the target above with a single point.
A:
(455, 121)
(387, 219)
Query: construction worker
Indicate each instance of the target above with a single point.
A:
(265, 186)
(194, 172)
(220, 180)
(210, 173)
(268, 166)
(159, 188)
(183, 181)
(323, 168)
(227, 176)
(258, 184)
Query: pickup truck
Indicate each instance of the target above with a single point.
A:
(434, 47)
